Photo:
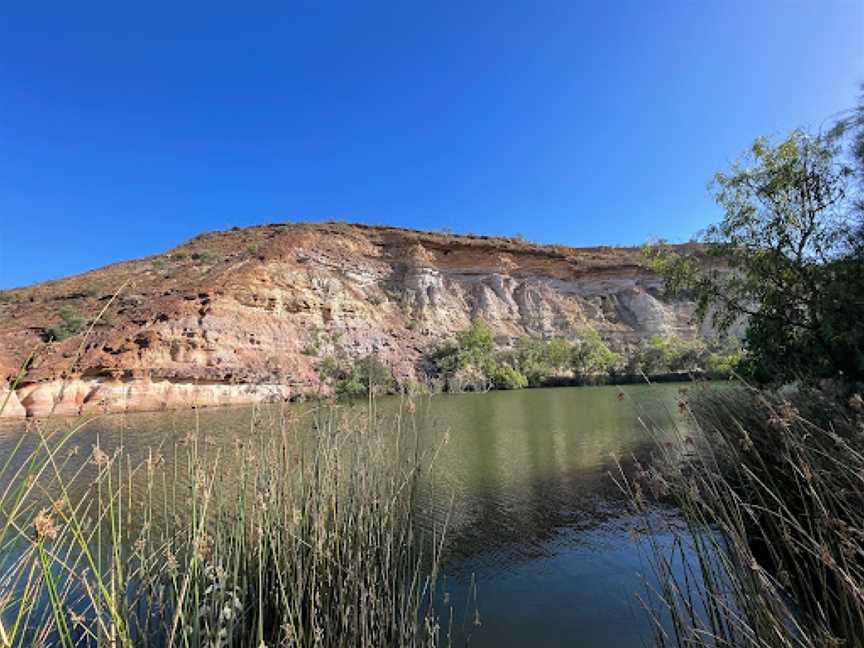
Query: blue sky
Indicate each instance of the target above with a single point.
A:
(126, 128)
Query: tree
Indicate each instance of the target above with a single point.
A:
(367, 375)
(530, 356)
(783, 259)
(591, 355)
(506, 377)
(558, 352)
(474, 347)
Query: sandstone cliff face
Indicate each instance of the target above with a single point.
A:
(245, 315)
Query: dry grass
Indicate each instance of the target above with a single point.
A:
(771, 493)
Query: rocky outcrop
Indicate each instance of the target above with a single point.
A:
(246, 315)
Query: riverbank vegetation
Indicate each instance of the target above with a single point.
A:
(301, 534)
(771, 551)
(772, 499)
(367, 376)
(474, 362)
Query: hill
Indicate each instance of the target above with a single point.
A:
(246, 315)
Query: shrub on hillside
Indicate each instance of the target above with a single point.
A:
(367, 375)
(71, 323)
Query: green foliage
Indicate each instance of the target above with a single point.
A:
(178, 256)
(313, 341)
(530, 362)
(71, 323)
(6, 297)
(591, 355)
(506, 377)
(670, 353)
(159, 263)
(368, 375)
(786, 259)
(253, 249)
(328, 369)
(537, 359)
(530, 356)
(724, 358)
(202, 255)
(474, 347)
(558, 352)
(667, 354)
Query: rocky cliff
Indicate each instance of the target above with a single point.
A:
(245, 315)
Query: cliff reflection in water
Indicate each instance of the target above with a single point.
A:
(524, 465)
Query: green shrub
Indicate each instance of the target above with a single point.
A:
(313, 341)
(328, 369)
(558, 353)
(71, 323)
(530, 355)
(367, 375)
(475, 346)
(724, 358)
(591, 355)
(672, 354)
(506, 377)
(6, 297)
(159, 263)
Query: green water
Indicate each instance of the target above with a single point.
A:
(535, 519)
(538, 520)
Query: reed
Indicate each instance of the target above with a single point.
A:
(303, 533)
(768, 549)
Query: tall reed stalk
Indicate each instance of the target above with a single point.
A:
(303, 533)
(768, 549)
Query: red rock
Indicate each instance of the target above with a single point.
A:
(210, 323)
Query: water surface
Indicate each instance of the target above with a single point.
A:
(539, 548)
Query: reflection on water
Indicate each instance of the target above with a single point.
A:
(537, 517)
(524, 482)
(524, 465)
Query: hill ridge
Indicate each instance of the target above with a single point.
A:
(230, 316)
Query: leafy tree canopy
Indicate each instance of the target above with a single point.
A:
(786, 259)
(590, 355)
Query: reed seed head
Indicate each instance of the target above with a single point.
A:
(43, 524)
(98, 456)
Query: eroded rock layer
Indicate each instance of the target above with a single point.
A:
(246, 315)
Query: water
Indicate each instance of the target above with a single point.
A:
(538, 519)
(539, 547)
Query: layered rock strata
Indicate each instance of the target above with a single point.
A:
(246, 315)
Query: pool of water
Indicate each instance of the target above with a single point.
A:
(540, 548)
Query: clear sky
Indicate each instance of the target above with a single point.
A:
(126, 128)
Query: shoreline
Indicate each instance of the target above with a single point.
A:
(79, 397)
